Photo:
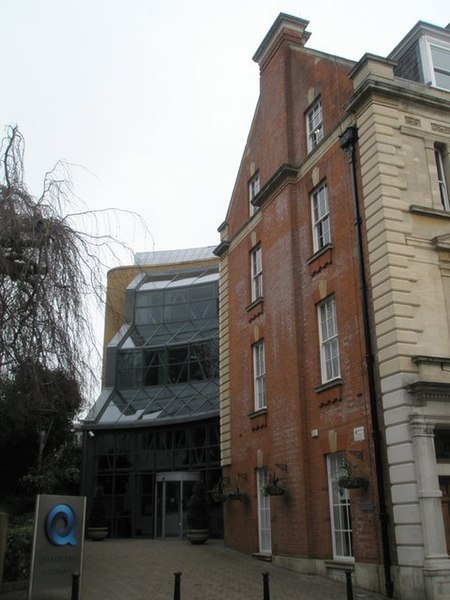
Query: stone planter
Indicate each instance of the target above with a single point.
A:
(97, 533)
(197, 536)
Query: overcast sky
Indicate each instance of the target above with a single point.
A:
(154, 99)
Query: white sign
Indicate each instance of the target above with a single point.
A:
(358, 434)
(57, 546)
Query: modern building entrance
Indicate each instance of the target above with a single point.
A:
(173, 490)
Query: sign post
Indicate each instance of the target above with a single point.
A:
(57, 546)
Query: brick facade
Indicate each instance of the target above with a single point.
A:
(306, 423)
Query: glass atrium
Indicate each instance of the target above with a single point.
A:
(154, 430)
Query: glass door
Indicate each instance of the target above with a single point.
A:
(173, 491)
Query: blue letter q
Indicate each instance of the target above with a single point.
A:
(61, 525)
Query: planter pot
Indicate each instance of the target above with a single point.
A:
(236, 496)
(219, 498)
(274, 490)
(197, 536)
(353, 482)
(97, 533)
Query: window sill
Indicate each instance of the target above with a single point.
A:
(328, 385)
(255, 309)
(258, 413)
(340, 563)
(330, 392)
(320, 259)
(427, 211)
(254, 303)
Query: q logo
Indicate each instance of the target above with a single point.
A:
(60, 525)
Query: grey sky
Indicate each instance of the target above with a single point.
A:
(154, 99)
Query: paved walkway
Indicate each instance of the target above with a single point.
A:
(144, 570)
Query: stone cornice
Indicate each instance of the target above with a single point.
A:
(428, 211)
(427, 391)
(285, 28)
(437, 360)
(222, 248)
(285, 174)
(400, 88)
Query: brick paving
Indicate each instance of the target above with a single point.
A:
(144, 570)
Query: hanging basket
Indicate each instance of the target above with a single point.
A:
(353, 482)
(274, 490)
(219, 498)
(236, 495)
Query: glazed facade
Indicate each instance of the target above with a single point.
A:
(154, 429)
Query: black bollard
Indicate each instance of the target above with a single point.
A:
(177, 586)
(75, 586)
(348, 576)
(266, 589)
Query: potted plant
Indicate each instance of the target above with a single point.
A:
(217, 493)
(274, 487)
(97, 523)
(351, 480)
(197, 515)
(236, 494)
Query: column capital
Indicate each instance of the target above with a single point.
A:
(419, 426)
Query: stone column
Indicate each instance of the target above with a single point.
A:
(435, 547)
(436, 569)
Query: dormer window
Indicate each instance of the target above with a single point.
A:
(436, 62)
(314, 125)
(424, 56)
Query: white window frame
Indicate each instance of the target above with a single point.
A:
(314, 125)
(254, 185)
(259, 375)
(427, 44)
(441, 175)
(328, 336)
(320, 215)
(340, 510)
(257, 274)
(264, 522)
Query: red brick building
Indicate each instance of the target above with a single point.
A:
(295, 398)
(335, 315)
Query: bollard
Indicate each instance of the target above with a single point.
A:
(177, 586)
(75, 586)
(348, 576)
(266, 590)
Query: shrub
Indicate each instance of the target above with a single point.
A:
(19, 543)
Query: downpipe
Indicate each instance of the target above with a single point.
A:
(348, 143)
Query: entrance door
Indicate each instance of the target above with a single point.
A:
(264, 527)
(173, 491)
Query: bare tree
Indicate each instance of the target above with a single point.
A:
(47, 270)
(52, 261)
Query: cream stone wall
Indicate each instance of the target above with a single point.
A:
(408, 255)
(225, 393)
